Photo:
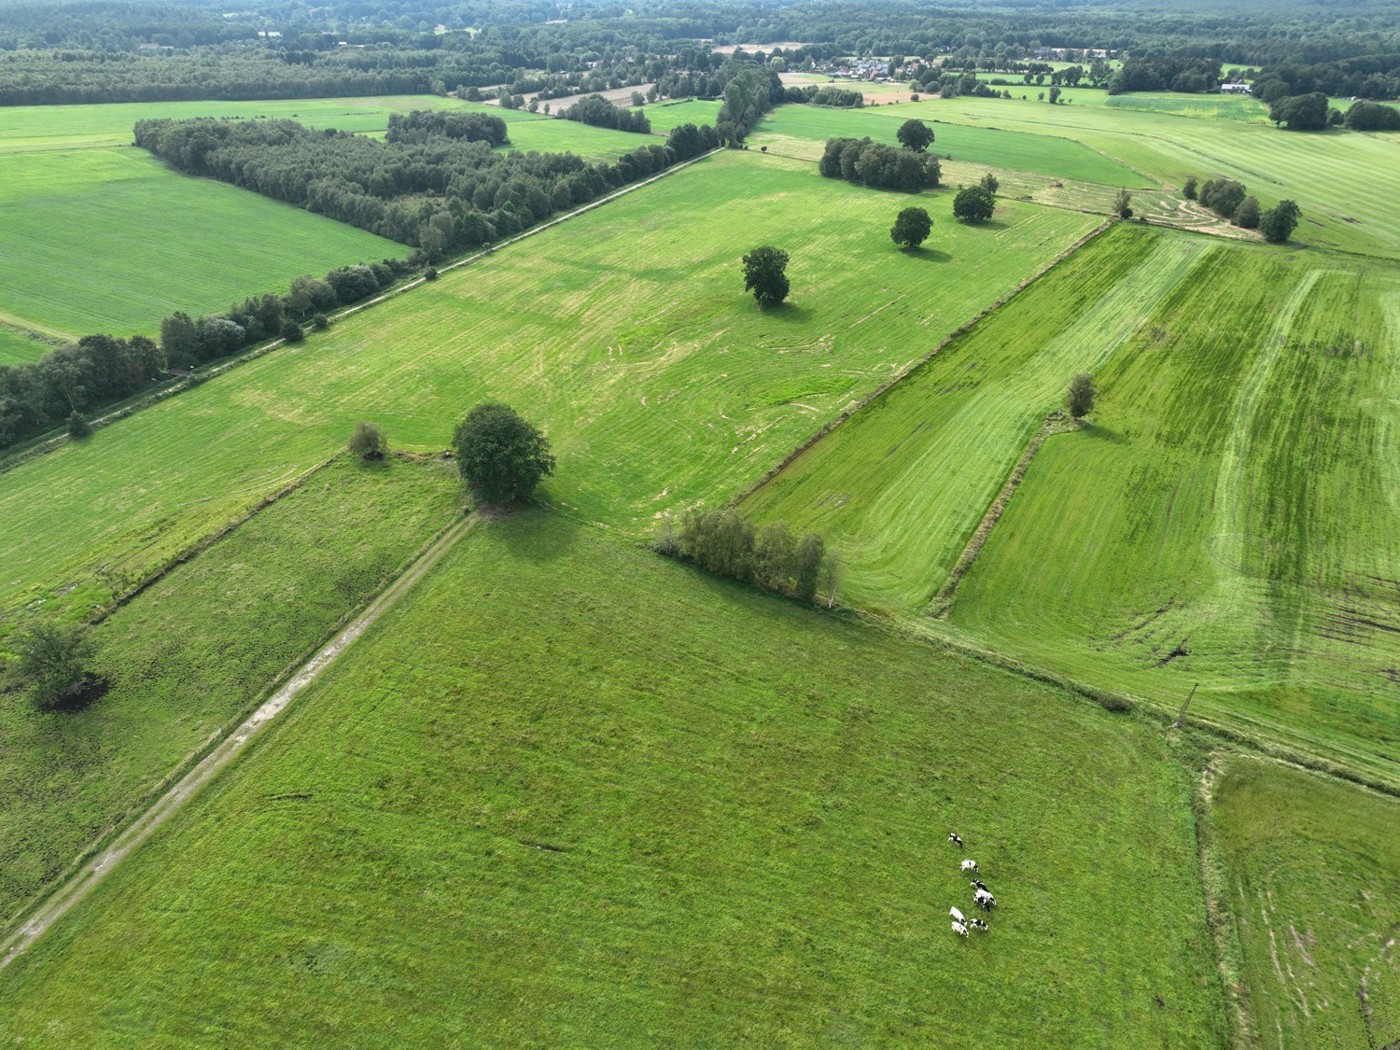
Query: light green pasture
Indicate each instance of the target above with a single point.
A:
(568, 793)
(625, 333)
(801, 130)
(1345, 182)
(1313, 872)
(110, 240)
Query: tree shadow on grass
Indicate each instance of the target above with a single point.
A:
(790, 312)
(1094, 430)
(929, 255)
(534, 532)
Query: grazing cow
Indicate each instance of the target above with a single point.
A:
(959, 929)
(978, 924)
(969, 865)
(957, 915)
(979, 884)
(953, 838)
(984, 900)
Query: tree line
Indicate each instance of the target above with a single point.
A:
(1228, 199)
(422, 187)
(69, 383)
(600, 113)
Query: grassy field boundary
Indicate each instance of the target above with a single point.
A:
(57, 438)
(952, 337)
(200, 546)
(1224, 933)
(201, 766)
(1054, 424)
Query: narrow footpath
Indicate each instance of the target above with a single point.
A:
(90, 875)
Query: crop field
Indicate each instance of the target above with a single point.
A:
(79, 252)
(531, 806)
(801, 131)
(198, 648)
(1230, 518)
(1202, 107)
(1314, 877)
(625, 333)
(1345, 182)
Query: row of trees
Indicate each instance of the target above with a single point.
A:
(425, 188)
(423, 124)
(869, 163)
(771, 556)
(99, 370)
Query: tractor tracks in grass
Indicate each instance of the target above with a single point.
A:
(90, 874)
(1055, 423)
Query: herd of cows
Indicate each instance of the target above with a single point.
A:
(981, 896)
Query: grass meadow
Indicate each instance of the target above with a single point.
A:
(1345, 182)
(98, 236)
(1313, 869)
(1234, 497)
(198, 648)
(110, 240)
(533, 805)
(1233, 504)
(802, 131)
(625, 334)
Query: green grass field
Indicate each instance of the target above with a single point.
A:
(1314, 878)
(1235, 499)
(625, 334)
(1345, 182)
(667, 115)
(570, 793)
(1201, 107)
(80, 252)
(202, 645)
(552, 135)
(802, 130)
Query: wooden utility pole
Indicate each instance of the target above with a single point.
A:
(1181, 715)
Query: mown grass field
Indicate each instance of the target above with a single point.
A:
(626, 334)
(1235, 499)
(570, 793)
(191, 653)
(81, 249)
(667, 115)
(1201, 107)
(1345, 182)
(1314, 879)
(803, 130)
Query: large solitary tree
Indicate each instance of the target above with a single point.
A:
(915, 135)
(764, 275)
(1079, 398)
(911, 228)
(53, 661)
(501, 456)
(973, 204)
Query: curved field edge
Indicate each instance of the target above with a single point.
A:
(508, 806)
(197, 649)
(1312, 870)
(624, 333)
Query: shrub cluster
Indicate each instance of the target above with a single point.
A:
(869, 163)
(824, 96)
(772, 556)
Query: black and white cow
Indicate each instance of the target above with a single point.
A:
(978, 924)
(969, 865)
(984, 900)
(957, 915)
(953, 838)
(959, 929)
(979, 884)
